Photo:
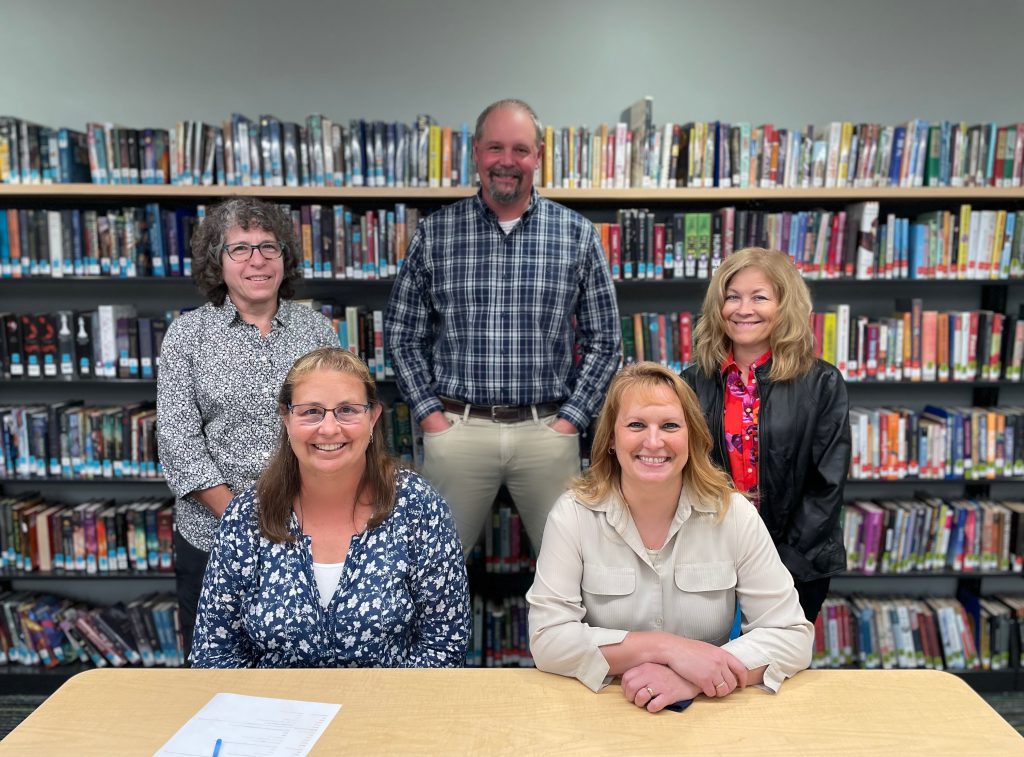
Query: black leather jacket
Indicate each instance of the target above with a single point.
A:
(804, 442)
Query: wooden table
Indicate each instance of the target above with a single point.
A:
(905, 712)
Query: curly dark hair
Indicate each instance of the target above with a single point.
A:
(246, 213)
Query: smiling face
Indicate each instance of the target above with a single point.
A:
(252, 284)
(506, 156)
(329, 446)
(750, 310)
(651, 440)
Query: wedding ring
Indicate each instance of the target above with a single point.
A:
(650, 691)
(718, 685)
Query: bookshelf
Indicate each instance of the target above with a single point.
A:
(157, 294)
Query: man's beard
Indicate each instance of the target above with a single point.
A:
(510, 196)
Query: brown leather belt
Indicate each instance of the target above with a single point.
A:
(500, 413)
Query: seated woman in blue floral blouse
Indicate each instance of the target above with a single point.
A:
(336, 558)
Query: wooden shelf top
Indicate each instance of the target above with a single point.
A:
(636, 195)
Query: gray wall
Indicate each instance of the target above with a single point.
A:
(792, 62)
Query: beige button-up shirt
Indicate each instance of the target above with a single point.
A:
(596, 581)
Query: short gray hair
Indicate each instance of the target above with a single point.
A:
(509, 102)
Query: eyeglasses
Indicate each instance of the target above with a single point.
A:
(313, 415)
(242, 251)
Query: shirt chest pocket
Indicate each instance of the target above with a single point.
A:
(609, 595)
(707, 599)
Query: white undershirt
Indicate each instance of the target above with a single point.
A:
(507, 226)
(328, 576)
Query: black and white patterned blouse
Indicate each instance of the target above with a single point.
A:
(402, 600)
(216, 401)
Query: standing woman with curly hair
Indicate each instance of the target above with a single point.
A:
(779, 416)
(221, 366)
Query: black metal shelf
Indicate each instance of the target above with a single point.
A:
(179, 282)
(17, 575)
(959, 574)
(933, 384)
(633, 284)
(919, 480)
(50, 480)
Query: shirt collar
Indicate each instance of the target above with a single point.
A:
(485, 210)
(729, 364)
(230, 316)
(617, 511)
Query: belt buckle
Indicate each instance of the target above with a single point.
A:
(498, 408)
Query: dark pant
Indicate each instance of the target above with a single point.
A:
(189, 566)
(812, 594)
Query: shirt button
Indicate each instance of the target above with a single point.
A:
(750, 470)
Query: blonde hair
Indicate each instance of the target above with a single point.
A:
(701, 478)
(281, 482)
(791, 338)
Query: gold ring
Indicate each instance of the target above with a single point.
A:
(650, 691)
(723, 683)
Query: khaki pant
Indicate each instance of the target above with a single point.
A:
(468, 462)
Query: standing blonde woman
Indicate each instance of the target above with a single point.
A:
(779, 416)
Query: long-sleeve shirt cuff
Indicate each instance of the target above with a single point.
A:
(753, 657)
(198, 477)
(574, 415)
(425, 407)
(593, 669)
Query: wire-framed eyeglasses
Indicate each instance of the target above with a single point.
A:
(242, 251)
(309, 414)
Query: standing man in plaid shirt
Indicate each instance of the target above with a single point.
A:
(497, 295)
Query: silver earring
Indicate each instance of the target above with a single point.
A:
(371, 437)
(611, 450)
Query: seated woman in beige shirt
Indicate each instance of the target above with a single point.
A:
(644, 559)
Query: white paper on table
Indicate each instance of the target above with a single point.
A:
(251, 727)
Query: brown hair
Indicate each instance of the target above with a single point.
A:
(246, 213)
(791, 339)
(281, 482)
(700, 476)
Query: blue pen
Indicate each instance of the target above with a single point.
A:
(216, 747)
(679, 706)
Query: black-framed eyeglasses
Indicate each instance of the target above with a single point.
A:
(309, 414)
(242, 251)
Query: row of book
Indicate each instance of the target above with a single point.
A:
(336, 242)
(501, 634)
(636, 152)
(940, 633)
(340, 243)
(110, 342)
(43, 630)
(913, 345)
(824, 244)
(918, 344)
(76, 441)
(922, 534)
(938, 443)
(72, 440)
(241, 152)
(505, 547)
(95, 537)
(633, 152)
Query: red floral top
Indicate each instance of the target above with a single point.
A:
(742, 409)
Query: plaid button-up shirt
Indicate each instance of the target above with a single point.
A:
(496, 319)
